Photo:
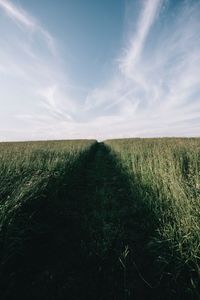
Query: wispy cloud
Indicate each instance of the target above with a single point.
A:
(22, 18)
(33, 81)
(129, 60)
(154, 89)
(17, 14)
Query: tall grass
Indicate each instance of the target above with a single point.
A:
(33, 176)
(69, 204)
(165, 176)
(27, 168)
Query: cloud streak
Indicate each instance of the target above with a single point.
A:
(154, 89)
(137, 42)
(17, 14)
(22, 18)
(32, 79)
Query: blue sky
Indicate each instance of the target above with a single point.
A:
(99, 69)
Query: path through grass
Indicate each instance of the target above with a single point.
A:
(83, 237)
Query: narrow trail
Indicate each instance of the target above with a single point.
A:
(91, 245)
(114, 232)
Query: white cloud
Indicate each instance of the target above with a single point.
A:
(132, 54)
(154, 90)
(35, 90)
(23, 19)
(17, 14)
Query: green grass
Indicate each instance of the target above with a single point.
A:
(34, 180)
(165, 176)
(28, 169)
(113, 220)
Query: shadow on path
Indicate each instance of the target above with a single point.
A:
(88, 243)
(114, 237)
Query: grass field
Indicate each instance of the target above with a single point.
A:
(165, 178)
(112, 220)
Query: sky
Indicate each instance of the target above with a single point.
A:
(92, 69)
